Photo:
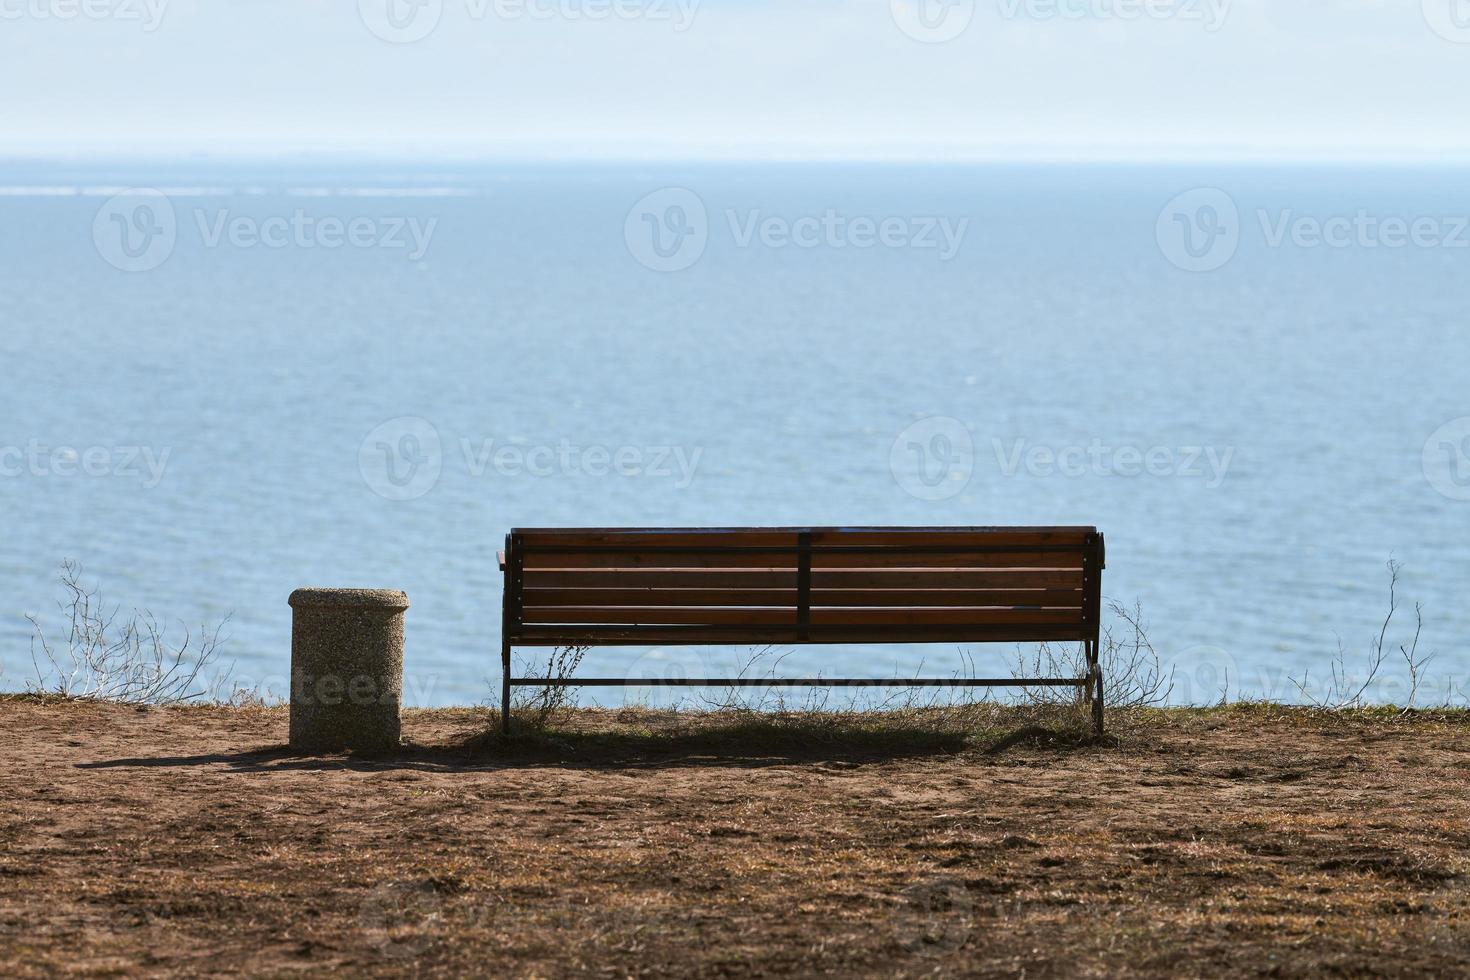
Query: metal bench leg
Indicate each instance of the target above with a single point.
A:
(1095, 688)
(505, 687)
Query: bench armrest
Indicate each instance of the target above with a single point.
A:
(500, 557)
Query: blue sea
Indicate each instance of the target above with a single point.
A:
(226, 381)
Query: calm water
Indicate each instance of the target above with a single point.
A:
(1012, 346)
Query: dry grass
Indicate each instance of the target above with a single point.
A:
(1245, 840)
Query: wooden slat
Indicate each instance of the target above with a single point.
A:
(691, 559)
(662, 615)
(963, 578)
(820, 616)
(948, 597)
(633, 538)
(539, 560)
(821, 681)
(653, 578)
(959, 560)
(661, 597)
(542, 534)
(821, 579)
(1060, 598)
(967, 616)
(553, 635)
(958, 545)
(950, 536)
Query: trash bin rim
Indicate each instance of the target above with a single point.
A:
(349, 598)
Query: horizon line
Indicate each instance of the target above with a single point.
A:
(310, 157)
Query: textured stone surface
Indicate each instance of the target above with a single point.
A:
(346, 668)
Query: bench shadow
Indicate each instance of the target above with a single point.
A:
(283, 758)
(623, 751)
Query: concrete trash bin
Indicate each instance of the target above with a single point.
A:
(346, 668)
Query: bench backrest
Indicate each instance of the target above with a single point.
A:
(642, 586)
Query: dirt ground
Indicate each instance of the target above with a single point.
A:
(1241, 841)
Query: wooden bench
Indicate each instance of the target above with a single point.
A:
(721, 586)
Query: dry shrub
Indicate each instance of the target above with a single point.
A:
(536, 708)
(1345, 690)
(1133, 675)
(109, 658)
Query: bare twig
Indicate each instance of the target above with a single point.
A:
(131, 661)
(1414, 663)
(1343, 689)
(537, 705)
(1135, 676)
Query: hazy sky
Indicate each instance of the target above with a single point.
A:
(738, 78)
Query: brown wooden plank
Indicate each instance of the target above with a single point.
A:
(966, 616)
(530, 532)
(948, 597)
(695, 559)
(632, 538)
(703, 578)
(957, 546)
(821, 578)
(953, 536)
(660, 597)
(786, 680)
(661, 615)
(958, 560)
(650, 596)
(962, 578)
(568, 635)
